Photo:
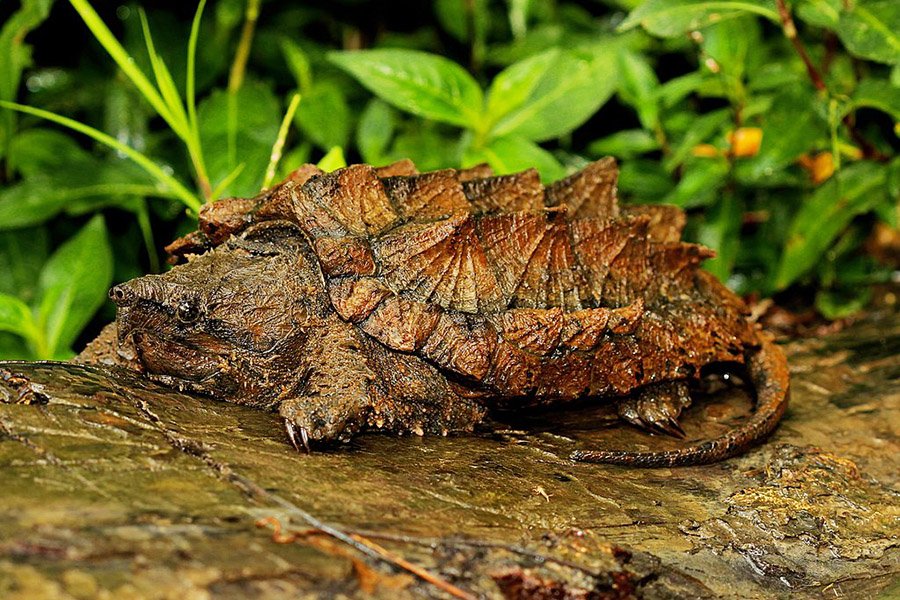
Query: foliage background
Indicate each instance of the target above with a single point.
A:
(774, 125)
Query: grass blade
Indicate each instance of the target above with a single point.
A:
(278, 147)
(214, 194)
(191, 82)
(166, 84)
(189, 199)
(123, 59)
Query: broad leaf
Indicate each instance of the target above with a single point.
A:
(22, 254)
(74, 186)
(701, 130)
(568, 92)
(644, 180)
(512, 154)
(375, 131)
(627, 143)
(821, 13)
(333, 159)
(877, 94)
(513, 86)
(323, 115)
(720, 230)
(16, 57)
(239, 128)
(638, 87)
(72, 286)
(870, 30)
(853, 191)
(700, 184)
(672, 18)
(15, 317)
(789, 127)
(34, 152)
(423, 84)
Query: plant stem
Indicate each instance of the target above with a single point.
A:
(790, 32)
(194, 148)
(239, 66)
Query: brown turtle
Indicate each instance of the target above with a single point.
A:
(383, 299)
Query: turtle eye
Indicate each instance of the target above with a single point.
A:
(187, 312)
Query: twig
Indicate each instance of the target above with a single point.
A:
(790, 32)
(415, 570)
(368, 547)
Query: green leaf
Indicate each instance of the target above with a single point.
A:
(838, 304)
(624, 144)
(298, 63)
(878, 94)
(700, 184)
(513, 86)
(174, 186)
(701, 130)
(720, 230)
(333, 160)
(821, 13)
(15, 317)
(376, 128)
(853, 191)
(125, 61)
(567, 93)
(729, 44)
(34, 152)
(870, 30)
(72, 286)
(22, 255)
(423, 84)
(671, 18)
(675, 90)
(638, 87)
(512, 154)
(239, 128)
(324, 116)
(790, 128)
(645, 180)
(427, 146)
(16, 57)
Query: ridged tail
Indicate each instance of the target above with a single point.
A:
(769, 373)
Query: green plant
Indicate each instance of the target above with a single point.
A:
(773, 125)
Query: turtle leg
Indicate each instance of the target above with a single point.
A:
(332, 399)
(656, 407)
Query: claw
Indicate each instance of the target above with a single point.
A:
(292, 434)
(677, 427)
(671, 427)
(291, 431)
(304, 436)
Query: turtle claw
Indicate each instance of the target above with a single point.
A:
(656, 408)
(669, 426)
(292, 434)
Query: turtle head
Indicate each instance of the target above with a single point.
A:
(231, 323)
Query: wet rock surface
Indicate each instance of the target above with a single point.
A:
(112, 486)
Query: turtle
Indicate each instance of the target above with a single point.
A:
(386, 299)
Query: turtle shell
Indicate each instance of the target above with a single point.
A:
(528, 290)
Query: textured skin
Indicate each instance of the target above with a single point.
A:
(384, 299)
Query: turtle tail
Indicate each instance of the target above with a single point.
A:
(768, 371)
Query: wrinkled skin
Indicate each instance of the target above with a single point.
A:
(364, 299)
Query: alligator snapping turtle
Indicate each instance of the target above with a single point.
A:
(385, 299)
